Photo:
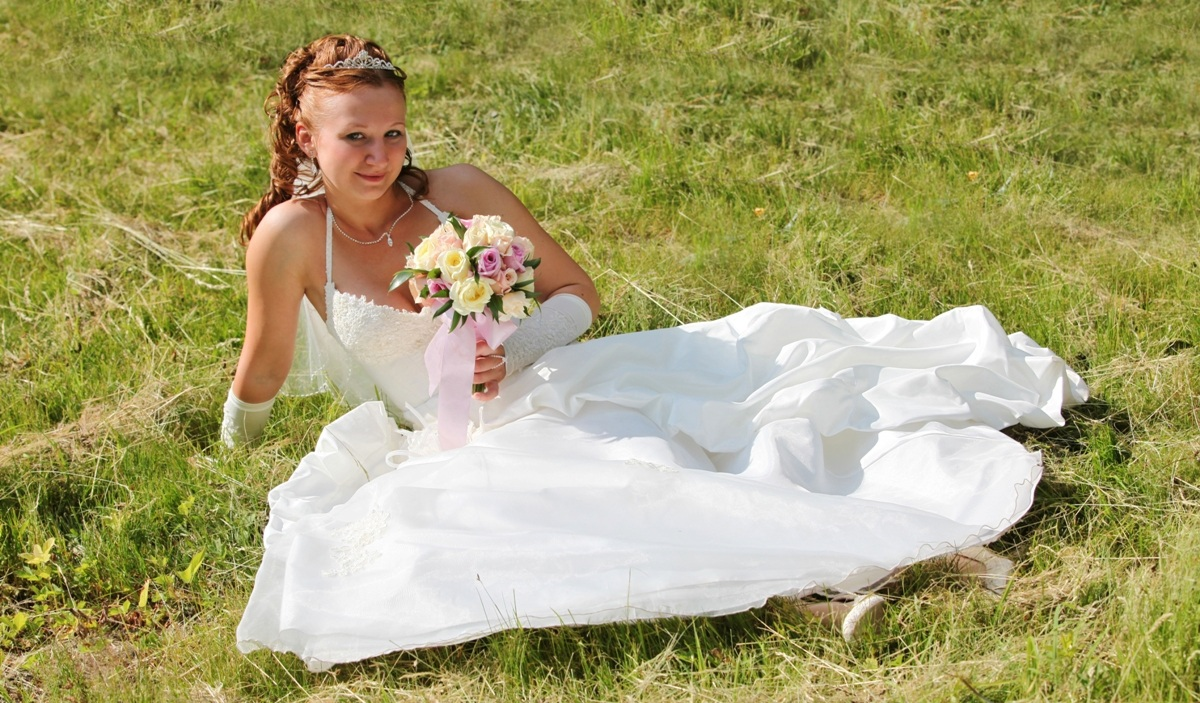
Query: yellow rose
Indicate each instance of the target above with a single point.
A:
(470, 296)
(454, 265)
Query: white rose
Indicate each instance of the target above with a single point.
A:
(525, 244)
(470, 296)
(514, 305)
(424, 256)
(490, 231)
(475, 236)
(454, 265)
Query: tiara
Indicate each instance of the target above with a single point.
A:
(364, 60)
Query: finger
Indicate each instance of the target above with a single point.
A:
(489, 367)
(490, 390)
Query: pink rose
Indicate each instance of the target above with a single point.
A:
(508, 279)
(496, 285)
(489, 263)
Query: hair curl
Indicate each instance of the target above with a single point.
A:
(305, 70)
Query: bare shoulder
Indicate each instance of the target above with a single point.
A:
(459, 176)
(290, 238)
(466, 189)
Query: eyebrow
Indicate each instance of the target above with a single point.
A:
(360, 125)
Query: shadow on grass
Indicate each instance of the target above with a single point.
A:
(602, 658)
(1095, 441)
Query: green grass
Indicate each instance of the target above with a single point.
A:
(1041, 158)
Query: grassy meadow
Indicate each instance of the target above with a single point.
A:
(1039, 157)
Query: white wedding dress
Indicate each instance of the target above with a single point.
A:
(697, 470)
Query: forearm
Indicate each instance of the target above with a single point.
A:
(248, 404)
(558, 321)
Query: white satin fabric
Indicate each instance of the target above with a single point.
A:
(697, 470)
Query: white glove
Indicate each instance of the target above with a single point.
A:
(243, 422)
(558, 321)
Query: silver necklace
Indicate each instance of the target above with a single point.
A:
(380, 238)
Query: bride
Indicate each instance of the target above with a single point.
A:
(697, 470)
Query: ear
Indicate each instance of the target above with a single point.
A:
(306, 139)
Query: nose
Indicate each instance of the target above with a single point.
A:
(377, 153)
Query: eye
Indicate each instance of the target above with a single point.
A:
(354, 136)
(394, 133)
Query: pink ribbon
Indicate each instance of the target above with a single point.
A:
(450, 361)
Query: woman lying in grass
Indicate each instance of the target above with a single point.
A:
(699, 470)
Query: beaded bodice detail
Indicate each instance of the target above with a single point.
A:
(378, 335)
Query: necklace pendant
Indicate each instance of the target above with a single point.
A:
(389, 237)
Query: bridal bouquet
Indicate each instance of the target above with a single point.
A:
(478, 265)
(484, 272)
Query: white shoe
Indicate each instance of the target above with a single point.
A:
(993, 571)
(867, 608)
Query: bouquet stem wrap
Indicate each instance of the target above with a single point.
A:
(450, 359)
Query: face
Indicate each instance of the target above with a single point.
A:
(359, 139)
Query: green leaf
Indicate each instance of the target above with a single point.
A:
(190, 572)
(144, 596)
(443, 293)
(475, 250)
(185, 506)
(442, 310)
(532, 263)
(403, 276)
(458, 226)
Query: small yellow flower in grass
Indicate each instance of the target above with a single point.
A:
(38, 554)
(760, 211)
(972, 176)
(470, 296)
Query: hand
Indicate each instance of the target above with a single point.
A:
(490, 369)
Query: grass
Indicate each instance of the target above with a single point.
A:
(1037, 157)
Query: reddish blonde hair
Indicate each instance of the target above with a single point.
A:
(305, 70)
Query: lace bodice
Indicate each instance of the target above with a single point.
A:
(389, 344)
(378, 334)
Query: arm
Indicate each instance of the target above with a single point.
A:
(276, 267)
(467, 191)
(568, 295)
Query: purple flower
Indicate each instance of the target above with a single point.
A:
(436, 285)
(489, 262)
(516, 257)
